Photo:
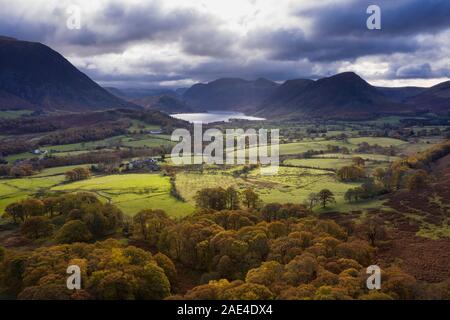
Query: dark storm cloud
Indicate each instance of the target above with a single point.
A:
(339, 30)
(399, 17)
(292, 44)
(111, 29)
(415, 71)
(205, 72)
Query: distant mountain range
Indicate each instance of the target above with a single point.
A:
(343, 95)
(229, 94)
(168, 103)
(165, 100)
(33, 76)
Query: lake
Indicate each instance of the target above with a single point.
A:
(213, 116)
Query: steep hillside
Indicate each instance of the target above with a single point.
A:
(35, 76)
(165, 103)
(435, 99)
(400, 94)
(340, 96)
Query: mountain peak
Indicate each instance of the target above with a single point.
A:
(346, 76)
(35, 75)
(342, 95)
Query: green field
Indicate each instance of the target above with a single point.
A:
(58, 170)
(12, 190)
(321, 144)
(132, 192)
(141, 140)
(136, 141)
(137, 126)
(381, 141)
(289, 185)
(329, 163)
(365, 156)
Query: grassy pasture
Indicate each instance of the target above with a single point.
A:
(132, 192)
(365, 156)
(289, 185)
(381, 141)
(58, 170)
(137, 126)
(321, 145)
(146, 140)
(325, 163)
(12, 190)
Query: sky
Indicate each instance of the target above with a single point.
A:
(176, 43)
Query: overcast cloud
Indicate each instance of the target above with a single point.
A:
(176, 43)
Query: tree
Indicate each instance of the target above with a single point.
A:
(73, 231)
(372, 230)
(398, 284)
(379, 174)
(212, 198)
(326, 196)
(232, 196)
(418, 180)
(15, 211)
(152, 283)
(36, 227)
(33, 207)
(349, 195)
(148, 225)
(312, 200)
(78, 174)
(248, 291)
(302, 269)
(167, 265)
(276, 211)
(330, 293)
(266, 274)
(358, 161)
(101, 219)
(250, 198)
(351, 173)
(20, 211)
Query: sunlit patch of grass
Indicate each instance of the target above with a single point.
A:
(132, 192)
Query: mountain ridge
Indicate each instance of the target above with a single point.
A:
(343, 95)
(36, 76)
(229, 94)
